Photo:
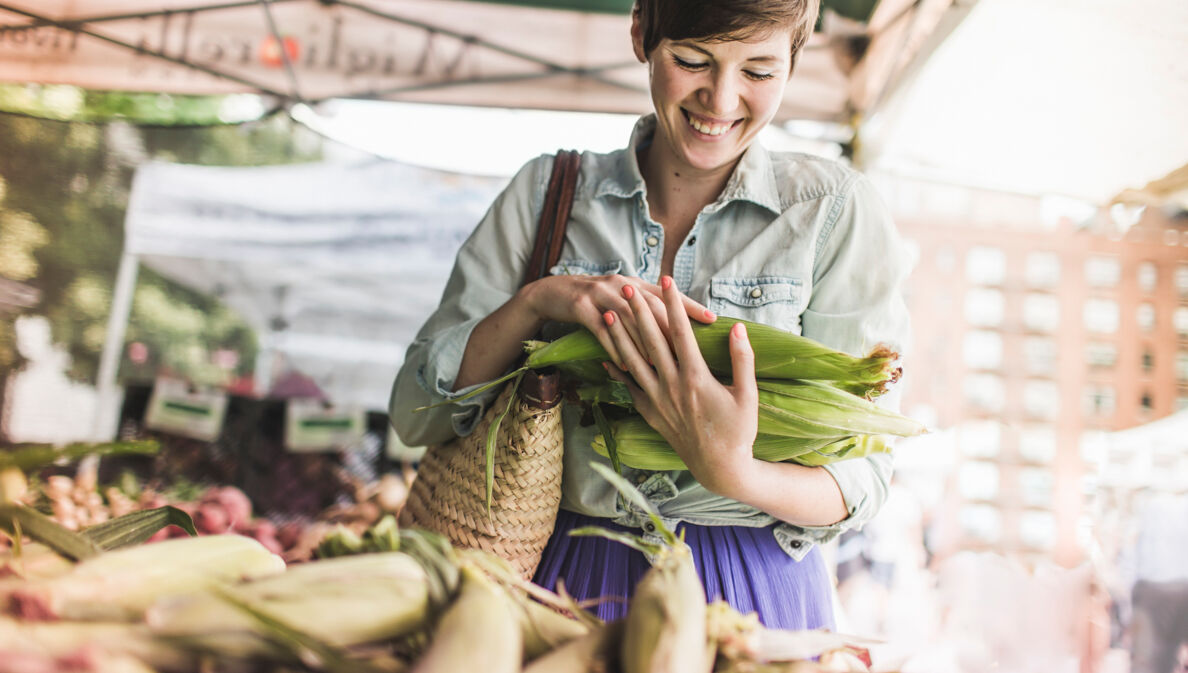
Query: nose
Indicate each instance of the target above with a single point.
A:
(720, 94)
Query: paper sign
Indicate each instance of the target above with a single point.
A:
(311, 425)
(178, 408)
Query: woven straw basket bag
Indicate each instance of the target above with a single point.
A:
(449, 494)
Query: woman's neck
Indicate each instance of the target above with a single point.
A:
(677, 193)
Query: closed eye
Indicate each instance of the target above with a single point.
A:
(759, 76)
(688, 65)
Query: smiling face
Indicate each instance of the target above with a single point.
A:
(712, 97)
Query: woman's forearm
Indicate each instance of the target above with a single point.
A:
(797, 494)
(497, 341)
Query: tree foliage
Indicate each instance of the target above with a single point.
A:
(65, 193)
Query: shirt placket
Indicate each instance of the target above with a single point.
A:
(686, 258)
(652, 243)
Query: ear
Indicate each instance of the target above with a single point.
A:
(637, 37)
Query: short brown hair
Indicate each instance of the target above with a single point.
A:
(725, 20)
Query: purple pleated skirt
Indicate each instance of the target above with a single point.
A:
(744, 566)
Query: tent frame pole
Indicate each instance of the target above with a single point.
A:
(110, 394)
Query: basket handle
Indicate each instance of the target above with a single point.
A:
(554, 216)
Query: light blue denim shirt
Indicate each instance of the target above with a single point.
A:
(795, 241)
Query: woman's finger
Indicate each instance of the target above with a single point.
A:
(643, 404)
(680, 331)
(654, 342)
(633, 360)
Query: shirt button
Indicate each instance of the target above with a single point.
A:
(649, 527)
(692, 240)
(797, 544)
(652, 241)
(641, 478)
(756, 292)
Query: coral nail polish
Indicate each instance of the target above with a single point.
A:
(609, 317)
(666, 282)
(628, 291)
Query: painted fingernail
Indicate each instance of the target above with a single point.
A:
(710, 315)
(666, 282)
(628, 291)
(609, 317)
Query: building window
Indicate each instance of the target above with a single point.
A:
(980, 439)
(985, 266)
(1100, 401)
(1102, 271)
(983, 349)
(1148, 277)
(1101, 316)
(984, 307)
(1041, 312)
(1101, 354)
(1182, 280)
(1182, 368)
(1180, 319)
(1146, 404)
(1039, 355)
(1035, 487)
(978, 480)
(1037, 444)
(982, 523)
(984, 392)
(1041, 399)
(1148, 360)
(1145, 313)
(1043, 270)
(1037, 530)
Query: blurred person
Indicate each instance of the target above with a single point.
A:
(1159, 593)
(693, 215)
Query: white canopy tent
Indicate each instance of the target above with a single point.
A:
(335, 266)
(1075, 98)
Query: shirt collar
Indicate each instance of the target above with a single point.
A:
(753, 179)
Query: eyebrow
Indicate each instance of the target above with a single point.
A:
(694, 46)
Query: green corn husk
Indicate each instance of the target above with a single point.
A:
(816, 409)
(778, 354)
(642, 448)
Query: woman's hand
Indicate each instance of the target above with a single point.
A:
(711, 426)
(584, 299)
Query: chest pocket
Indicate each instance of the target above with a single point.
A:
(581, 267)
(772, 300)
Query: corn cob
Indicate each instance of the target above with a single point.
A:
(121, 585)
(778, 354)
(370, 597)
(544, 629)
(62, 639)
(477, 632)
(815, 409)
(595, 652)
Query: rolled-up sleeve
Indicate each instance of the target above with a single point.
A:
(857, 304)
(487, 272)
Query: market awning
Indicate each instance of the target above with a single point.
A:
(546, 54)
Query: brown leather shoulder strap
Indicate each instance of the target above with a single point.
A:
(554, 216)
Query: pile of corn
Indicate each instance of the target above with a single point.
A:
(404, 601)
(815, 403)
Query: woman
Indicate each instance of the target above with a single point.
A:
(692, 219)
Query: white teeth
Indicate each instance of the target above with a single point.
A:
(709, 129)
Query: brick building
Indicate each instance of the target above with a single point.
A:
(1038, 323)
